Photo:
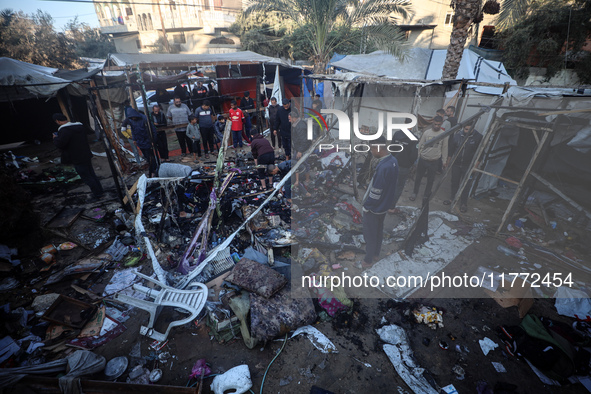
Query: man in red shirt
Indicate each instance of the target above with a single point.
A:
(237, 119)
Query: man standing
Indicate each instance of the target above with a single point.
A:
(140, 131)
(462, 163)
(181, 92)
(450, 115)
(429, 157)
(199, 94)
(237, 119)
(206, 118)
(72, 141)
(247, 105)
(299, 134)
(214, 97)
(379, 199)
(273, 108)
(282, 127)
(178, 114)
(159, 120)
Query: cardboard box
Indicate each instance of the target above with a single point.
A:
(520, 295)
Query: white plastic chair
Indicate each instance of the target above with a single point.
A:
(192, 301)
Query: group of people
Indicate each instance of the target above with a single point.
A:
(435, 157)
(192, 98)
(193, 129)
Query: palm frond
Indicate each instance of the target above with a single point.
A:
(511, 12)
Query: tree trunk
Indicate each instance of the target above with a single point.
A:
(465, 12)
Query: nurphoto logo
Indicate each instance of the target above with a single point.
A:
(393, 121)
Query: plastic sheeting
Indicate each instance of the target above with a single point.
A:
(427, 64)
(400, 354)
(573, 303)
(79, 363)
(20, 80)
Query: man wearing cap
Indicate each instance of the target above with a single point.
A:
(282, 127)
(72, 141)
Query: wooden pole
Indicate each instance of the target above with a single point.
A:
(108, 131)
(521, 184)
(109, 101)
(496, 176)
(130, 90)
(486, 142)
(60, 101)
(164, 37)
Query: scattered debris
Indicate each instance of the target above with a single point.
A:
(318, 339)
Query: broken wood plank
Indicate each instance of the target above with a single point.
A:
(496, 176)
(132, 190)
(64, 218)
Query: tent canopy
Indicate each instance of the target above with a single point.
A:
(118, 60)
(20, 80)
(427, 65)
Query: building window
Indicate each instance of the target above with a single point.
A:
(144, 22)
(449, 19)
(139, 22)
(138, 43)
(150, 26)
(128, 11)
(108, 14)
(99, 12)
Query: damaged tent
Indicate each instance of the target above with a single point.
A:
(30, 94)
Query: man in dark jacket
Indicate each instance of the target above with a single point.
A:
(273, 108)
(462, 163)
(263, 154)
(247, 105)
(206, 117)
(378, 200)
(140, 132)
(282, 127)
(159, 120)
(71, 139)
(199, 94)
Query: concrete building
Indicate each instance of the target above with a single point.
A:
(190, 26)
(432, 23)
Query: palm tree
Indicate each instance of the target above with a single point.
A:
(469, 12)
(318, 20)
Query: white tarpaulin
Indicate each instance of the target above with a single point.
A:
(37, 80)
(427, 65)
